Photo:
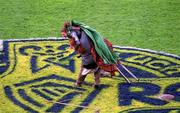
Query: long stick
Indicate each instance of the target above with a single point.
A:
(129, 72)
(123, 75)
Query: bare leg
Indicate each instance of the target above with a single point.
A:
(80, 78)
(97, 76)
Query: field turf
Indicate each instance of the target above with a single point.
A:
(38, 71)
(150, 24)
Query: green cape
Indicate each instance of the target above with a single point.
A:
(108, 56)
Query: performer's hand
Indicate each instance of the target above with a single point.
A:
(81, 50)
(79, 56)
(72, 43)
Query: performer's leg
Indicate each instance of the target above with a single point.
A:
(97, 75)
(82, 75)
(80, 78)
(105, 73)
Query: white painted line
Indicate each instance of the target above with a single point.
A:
(38, 38)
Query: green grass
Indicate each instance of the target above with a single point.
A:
(151, 24)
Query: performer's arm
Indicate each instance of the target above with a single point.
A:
(75, 43)
(74, 35)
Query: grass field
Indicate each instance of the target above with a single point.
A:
(151, 24)
(37, 75)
